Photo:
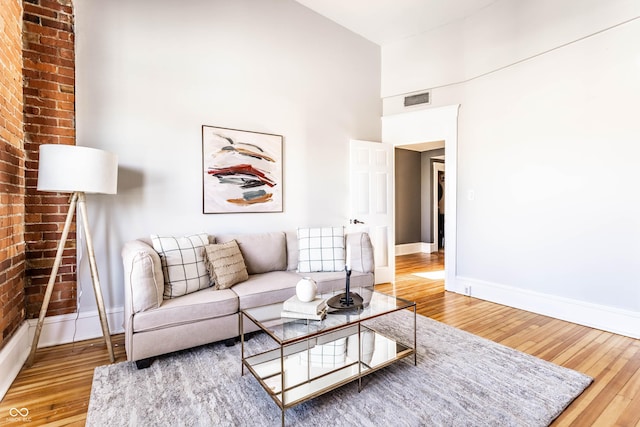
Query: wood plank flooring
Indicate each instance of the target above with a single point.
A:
(612, 360)
(56, 388)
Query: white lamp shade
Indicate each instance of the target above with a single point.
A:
(70, 168)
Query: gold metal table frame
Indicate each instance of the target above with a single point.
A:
(311, 358)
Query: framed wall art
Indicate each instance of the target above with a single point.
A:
(241, 171)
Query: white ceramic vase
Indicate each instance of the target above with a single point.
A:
(306, 289)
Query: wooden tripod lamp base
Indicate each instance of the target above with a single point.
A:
(77, 170)
(78, 198)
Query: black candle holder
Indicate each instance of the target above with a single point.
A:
(348, 300)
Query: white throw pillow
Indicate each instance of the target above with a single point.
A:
(320, 249)
(182, 261)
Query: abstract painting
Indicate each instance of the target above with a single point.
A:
(242, 171)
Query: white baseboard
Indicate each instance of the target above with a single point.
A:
(12, 357)
(55, 330)
(415, 248)
(65, 328)
(610, 319)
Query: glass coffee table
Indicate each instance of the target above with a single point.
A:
(312, 357)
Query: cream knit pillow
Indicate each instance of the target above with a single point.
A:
(225, 264)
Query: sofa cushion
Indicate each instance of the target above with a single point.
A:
(266, 288)
(225, 264)
(182, 261)
(262, 252)
(321, 249)
(196, 306)
(142, 267)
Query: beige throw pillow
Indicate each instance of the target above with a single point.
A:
(225, 264)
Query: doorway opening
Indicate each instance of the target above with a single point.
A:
(419, 197)
(438, 203)
(412, 128)
(419, 221)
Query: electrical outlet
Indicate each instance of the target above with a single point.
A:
(467, 290)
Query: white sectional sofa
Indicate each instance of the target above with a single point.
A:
(155, 326)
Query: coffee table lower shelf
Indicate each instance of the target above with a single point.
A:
(315, 366)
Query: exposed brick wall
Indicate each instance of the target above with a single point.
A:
(12, 247)
(49, 116)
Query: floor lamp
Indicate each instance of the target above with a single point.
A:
(77, 170)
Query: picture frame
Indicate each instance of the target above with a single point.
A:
(241, 171)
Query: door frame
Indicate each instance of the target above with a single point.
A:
(433, 124)
(437, 167)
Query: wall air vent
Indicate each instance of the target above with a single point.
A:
(421, 98)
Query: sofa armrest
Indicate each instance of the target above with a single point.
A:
(361, 252)
(143, 278)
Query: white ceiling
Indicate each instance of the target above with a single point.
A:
(386, 21)
(423, 146)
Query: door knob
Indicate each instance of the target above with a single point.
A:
(355, 221)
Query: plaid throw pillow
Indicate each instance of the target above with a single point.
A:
(321, 249)
(182, 263)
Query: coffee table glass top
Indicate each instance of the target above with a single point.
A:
(287, 330)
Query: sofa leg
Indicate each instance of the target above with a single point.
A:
(248, 336)
(230, 342)
(144, 363)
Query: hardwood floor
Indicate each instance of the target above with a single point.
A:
(56, 388)
(613, 399)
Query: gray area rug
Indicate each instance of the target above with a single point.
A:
(460, 380)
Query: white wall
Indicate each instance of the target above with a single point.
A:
(426, 179)
(502, 33)
(549, 147)
(150, 74)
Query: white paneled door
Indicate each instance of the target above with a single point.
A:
(371, 195)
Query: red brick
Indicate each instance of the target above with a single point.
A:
(51, 41)
(37, 111)
(57, 6)
(31, 28)
(12, 167)
(58, 24)
(54, 94)
(41, 84)
(60, 113)
(37, 48)
(66, 71)
(66, 53)
(39, 102)
(51, 130)
(40, 120)
(59, 78)
(38, 10)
